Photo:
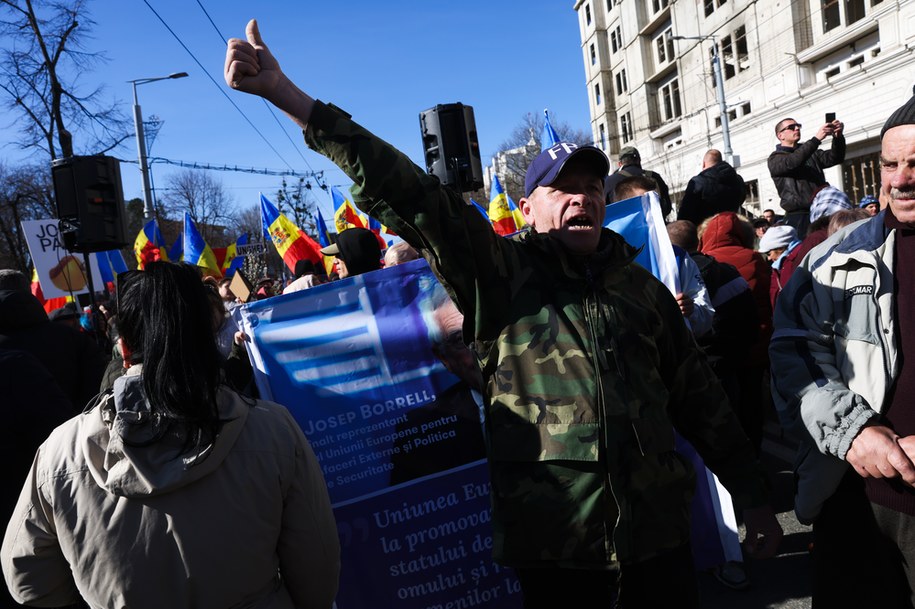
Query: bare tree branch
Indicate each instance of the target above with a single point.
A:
(44, 68)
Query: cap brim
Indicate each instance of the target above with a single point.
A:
(584, 154)
(331, 250)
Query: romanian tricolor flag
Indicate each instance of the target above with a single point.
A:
(324, 241)
(500, 214)
(516, 213)
(176, 252)
(345, 214)
(149, 245)
(290, 242)
(50, 304)
(233, 261)
(110, 265)
(196, 250)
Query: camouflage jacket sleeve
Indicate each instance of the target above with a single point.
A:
(473, 262)
(701, 413)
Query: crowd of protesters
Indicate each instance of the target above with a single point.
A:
(171, 428)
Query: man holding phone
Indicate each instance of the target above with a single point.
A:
(797, 169)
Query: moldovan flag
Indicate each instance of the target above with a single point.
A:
(503, 222)
(290, 242)
(233, 261)
(196, 250)
(548, 137)
(345, 214)
(149, 245)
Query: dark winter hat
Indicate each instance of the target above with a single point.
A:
(544, 169)
(869, 200)
(903, 116)
(68, 311)
(359, 248)
(630, 152)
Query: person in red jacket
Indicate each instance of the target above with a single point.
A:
(728, 238)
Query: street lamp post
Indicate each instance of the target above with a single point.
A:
(719, 86)
(141, 139)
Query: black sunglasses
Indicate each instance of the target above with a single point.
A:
(792, 127)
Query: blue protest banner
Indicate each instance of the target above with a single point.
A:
(398, 436)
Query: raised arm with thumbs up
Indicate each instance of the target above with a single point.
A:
(252, 68)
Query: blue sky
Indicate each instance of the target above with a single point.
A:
(383, 62)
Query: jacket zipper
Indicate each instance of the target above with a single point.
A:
(592, 312)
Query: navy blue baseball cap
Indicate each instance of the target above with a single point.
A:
(544, 169)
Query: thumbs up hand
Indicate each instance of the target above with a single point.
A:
(250, 66)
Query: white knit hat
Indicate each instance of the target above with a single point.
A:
(777, 237)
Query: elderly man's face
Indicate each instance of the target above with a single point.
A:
(897, 172)
(570, 209)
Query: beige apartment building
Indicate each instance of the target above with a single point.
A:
(651, 83)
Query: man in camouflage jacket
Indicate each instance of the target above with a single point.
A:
(588, 366)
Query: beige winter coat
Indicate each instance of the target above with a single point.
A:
(246, 523)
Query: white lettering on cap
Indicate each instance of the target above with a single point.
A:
(562, 146)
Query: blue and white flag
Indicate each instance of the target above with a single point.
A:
(548, 137)
(714, 526)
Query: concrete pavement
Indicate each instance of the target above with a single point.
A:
(782, 582)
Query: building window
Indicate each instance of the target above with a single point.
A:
(711, 5)
(658, 5)
(593, 55)
(669, 101)
(603, 137)
(841, 12)
(752, 189)
(861, 176)
(664, 47)
(597, 94)
(588, 14)
(733, 52)
(622, 84)
(626, 127)
(726, 54)
(740, 44)
(616, 40)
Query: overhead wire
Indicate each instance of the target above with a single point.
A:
(276, 119)
(217, 85)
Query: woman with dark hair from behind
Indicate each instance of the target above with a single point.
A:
(173, 490)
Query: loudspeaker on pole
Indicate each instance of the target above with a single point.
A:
(451, 147)
(90, 203)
